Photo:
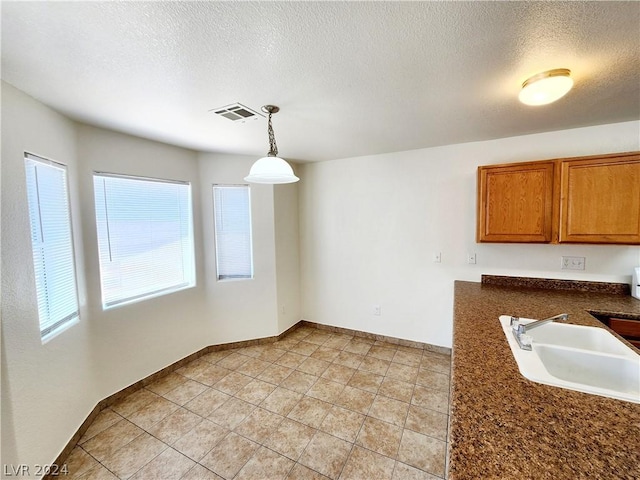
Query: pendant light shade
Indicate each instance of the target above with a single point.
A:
(546, 87)
(271, 169)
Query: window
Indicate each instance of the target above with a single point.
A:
(52, 244)
(232, 212)
(145, 237)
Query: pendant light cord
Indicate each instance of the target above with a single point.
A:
(273, 148)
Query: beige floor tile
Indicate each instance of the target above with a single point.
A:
(154, 412)
(215, 357)
(230, 455)
(342, 423)
(253, 367)
(231, 413)
(318, 338)
(355, 399)
(169, 465)
(384, 344)
(232, 383)
(304, 348)
(310, 411)
(271, 354)
(185, 392)
(300, 472)
(275, 374)
(357, 346)
(429, 398)
(365, 464)
(103, 420)
(166, 383)
(374, 365)
(299, 381)
(259, 425)
(408, 358)
(79, 462)
(256, 391)
(423, 452)
(98, 473)
(326, 454)
(108, 441)
(431, 379)
(379, 436)
(193, 368)
(211, 375)
(130, 458)
(313, 366)
(337, 341)
(325, 353)
(171, 428)
(436, 362)
(381, 353)
(286, 343)
(233, 360)
(402, 372)
(252, 351)
(198, 472)
(326, 390)
(291, 360)
(290, 438)
(266, 464)
(389, 410)
(397, 389)
(366, 381)
(348, 359)
(205, 403)
(133, 402)
(281, 401)
(338, 373)
(196, 443)
(428, 422)
(407, 472)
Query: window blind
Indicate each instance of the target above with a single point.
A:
(232, 212)
(145, 237)
(52, 243)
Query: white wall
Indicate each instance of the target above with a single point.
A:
(48, 390)
(370, 226)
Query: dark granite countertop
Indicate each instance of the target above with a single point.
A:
(505, 426)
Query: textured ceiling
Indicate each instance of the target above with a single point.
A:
(351, 78)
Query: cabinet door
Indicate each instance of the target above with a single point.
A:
(515, 202)
(600, 200)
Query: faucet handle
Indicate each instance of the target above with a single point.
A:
(514, 322)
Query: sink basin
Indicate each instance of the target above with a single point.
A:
(586, 359)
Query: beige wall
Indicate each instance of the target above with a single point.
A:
(371, 225)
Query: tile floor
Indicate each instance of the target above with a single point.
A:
(314, 405)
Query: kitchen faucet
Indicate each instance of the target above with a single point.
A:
(519, 330)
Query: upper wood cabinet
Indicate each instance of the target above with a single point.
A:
(574, 200)
(515, 202)
(600, 199)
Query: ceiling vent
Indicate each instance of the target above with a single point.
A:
(237, 112)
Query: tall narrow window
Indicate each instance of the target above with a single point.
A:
(232, 212)
(52, 244)
(145, 237)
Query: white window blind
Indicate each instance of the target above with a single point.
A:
(232, 212)
(52, 243)
(145, 237)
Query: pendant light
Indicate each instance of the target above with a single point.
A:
(546, 87)
(271, 169)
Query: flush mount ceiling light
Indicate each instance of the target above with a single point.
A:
(271, 169)
(546, 87)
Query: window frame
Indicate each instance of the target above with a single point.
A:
(58, 326)
(191, 269)
(216, 244)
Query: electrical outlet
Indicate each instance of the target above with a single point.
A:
(471, 258)
(572, 263)
(437, 257)
(377, 310)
